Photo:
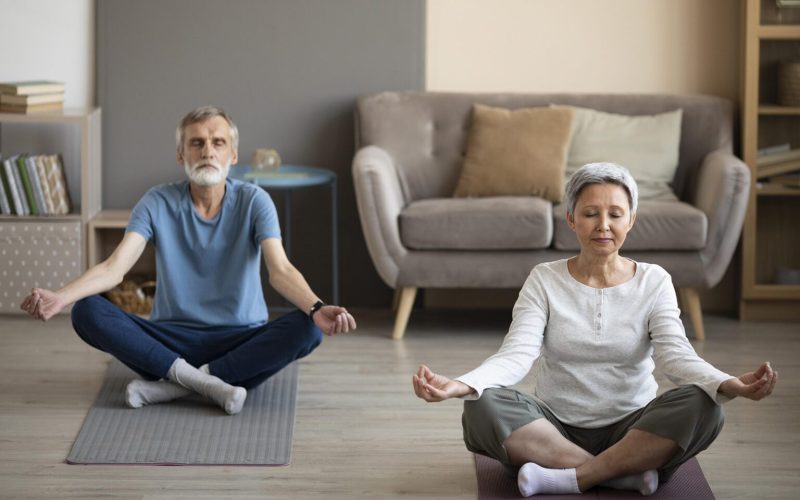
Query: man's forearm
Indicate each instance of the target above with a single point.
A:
(96, 280)
(292, 286)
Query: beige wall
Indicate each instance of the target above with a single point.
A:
(615, 46)
(643, 46)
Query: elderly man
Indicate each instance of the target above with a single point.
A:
(208, 332)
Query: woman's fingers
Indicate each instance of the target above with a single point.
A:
(421, 390)
(768, 386)
(437, 394)
(772, 384)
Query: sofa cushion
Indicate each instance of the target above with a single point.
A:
(516, 153)
(660, 225)
(646, 145)
(491, 223)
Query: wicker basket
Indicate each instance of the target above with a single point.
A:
(789, 84)
(132, 298)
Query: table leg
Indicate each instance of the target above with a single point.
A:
(334, 245)
(287, 222)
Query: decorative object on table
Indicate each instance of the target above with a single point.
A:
(266, 159)
(31, 96)
(789, 84)
(132, 298)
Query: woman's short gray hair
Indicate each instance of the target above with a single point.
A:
(202, 114)
(601, 173)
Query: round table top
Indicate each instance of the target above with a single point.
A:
(286, 176)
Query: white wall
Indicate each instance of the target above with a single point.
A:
(615, 46)
(50, 40)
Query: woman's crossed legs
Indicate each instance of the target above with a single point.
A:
(634, 453)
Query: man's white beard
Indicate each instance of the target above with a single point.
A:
(206, 176)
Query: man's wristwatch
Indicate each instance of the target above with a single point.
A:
(316, 307)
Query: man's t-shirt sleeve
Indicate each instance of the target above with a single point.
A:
(266, 217)
(141, 220)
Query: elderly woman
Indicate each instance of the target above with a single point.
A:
(595, 325)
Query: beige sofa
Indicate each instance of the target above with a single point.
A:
(410, 147)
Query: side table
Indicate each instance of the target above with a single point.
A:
(287, 178)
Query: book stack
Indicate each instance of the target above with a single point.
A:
(31, 96)
(33, 185)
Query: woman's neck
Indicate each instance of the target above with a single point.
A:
(601, 271)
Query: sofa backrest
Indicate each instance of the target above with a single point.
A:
(426, 132)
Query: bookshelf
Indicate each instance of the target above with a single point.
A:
(770, 239)
(49, 251)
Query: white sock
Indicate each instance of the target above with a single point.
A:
(645, 483)
(533, 479)
(229, 397)
(143, 392)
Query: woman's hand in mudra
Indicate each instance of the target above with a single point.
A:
(755, 385)
(433, 387)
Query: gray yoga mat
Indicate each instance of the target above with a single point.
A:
(191, 430)
(688, 483)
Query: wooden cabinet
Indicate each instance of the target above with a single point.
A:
(49, 251)
(771, 148)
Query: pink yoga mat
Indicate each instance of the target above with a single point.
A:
(688, 483)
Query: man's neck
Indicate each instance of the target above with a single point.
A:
(207, 200)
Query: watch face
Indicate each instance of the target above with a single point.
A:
(266, 159)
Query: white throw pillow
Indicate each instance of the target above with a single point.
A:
(646, 145)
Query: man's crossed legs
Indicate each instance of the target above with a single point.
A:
(230, 359)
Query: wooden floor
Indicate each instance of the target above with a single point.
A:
(360, 432)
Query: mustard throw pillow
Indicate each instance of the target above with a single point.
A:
(646, 145)
(516, 153)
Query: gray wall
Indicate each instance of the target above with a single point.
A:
(287, 71)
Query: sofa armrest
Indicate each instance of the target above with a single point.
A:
(722, 194)
(380, 200)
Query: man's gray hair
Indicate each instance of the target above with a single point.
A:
(202, 114)
(601, 173)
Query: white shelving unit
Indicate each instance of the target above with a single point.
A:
(49, 251)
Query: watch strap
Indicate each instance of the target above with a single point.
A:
(316, 307)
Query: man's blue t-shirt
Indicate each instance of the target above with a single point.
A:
(208, 270)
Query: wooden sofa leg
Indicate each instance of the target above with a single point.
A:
(691, 301)
(407, 295)
(396, 299)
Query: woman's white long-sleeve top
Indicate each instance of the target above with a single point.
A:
(595, 349)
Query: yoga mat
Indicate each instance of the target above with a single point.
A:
(688, 483)
(190, 430)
